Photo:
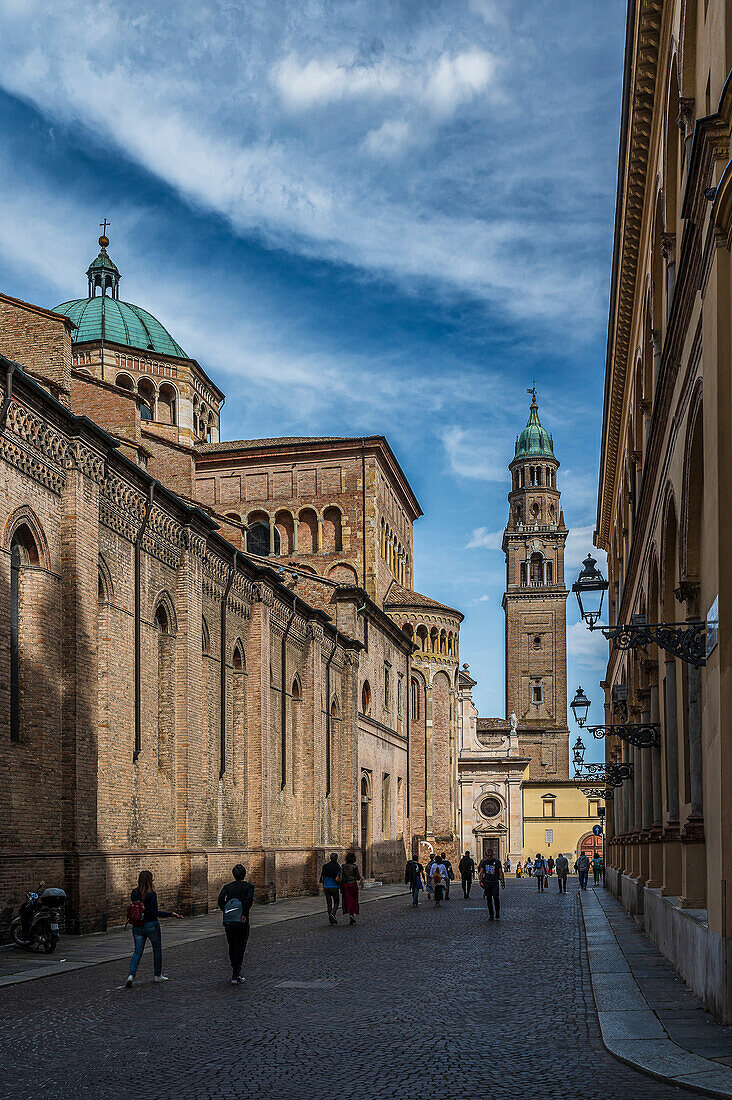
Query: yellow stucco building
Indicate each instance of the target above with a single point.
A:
(558, 818)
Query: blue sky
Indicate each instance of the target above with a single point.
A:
(372, 216)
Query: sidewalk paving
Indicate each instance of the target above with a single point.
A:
(649, 1018)
(78, 952)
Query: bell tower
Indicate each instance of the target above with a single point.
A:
(535, 603)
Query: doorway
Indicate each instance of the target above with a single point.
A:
(365, 826)
(494, 843)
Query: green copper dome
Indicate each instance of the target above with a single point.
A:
(105, 318)
(102, 316)
(534, 440)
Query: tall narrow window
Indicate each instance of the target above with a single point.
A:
(386, 806)
(15, 643)
(536, 565)
(23, 553)
(387, 685)
(166, 713)
(415, 700)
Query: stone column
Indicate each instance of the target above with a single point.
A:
(695, 741)
(671, 741)
(320, 534)
(271, 538)
(671, 842)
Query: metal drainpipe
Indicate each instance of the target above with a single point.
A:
(9, 370)
(283, 731)
(222, 692)
(363, 510)
(327, 717)
(408, 697)
(138, 632)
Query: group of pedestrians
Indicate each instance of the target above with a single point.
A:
(340, 886)
(434, 878)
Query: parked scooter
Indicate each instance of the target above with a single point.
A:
(37, 926)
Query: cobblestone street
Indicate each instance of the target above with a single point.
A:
(410, 1003)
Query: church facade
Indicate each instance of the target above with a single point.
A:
(211, 651)
(515, 791)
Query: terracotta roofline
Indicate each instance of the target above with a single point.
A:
(39, 309)
(378, 445)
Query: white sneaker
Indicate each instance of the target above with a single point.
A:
(160, 978)
(240, 980)
(234, 981)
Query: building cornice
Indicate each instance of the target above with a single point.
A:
(643, 35)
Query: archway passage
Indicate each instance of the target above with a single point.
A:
(590, 844)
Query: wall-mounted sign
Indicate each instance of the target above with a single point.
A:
(712, 626)
(548, 836)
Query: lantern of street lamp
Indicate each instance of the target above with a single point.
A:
(580, 705)
(590, 588)
(578, 753)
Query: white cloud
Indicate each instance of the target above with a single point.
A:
(472, 455)
(483, 539)
(224, 112)
(587, 648)
(577, 547)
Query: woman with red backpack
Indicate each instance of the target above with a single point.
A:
(144, 916)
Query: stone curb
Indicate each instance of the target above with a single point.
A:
(262, 917)
(631, 1030)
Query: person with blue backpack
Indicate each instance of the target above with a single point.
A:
(236, 899)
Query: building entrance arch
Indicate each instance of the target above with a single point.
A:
(590, 844)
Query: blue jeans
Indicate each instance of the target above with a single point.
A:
(582, 875)
(415, 895)
(149, 931)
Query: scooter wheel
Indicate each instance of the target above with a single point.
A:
(17, 934)
(49, 943)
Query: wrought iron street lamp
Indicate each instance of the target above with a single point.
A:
(590, 588)
(644, 735)
(687, 641)
(580, 706)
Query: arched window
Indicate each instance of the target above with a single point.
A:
(332, 536)
(165, 678)
(536, 569)
(414, 691)
(124, 382)
(23, 553)
(258, 539)
(434, 640)
(167, 404)
(238, 659)
(422, 638)
(285, 525)
(366, 698)
(307, 532)
(408, 630)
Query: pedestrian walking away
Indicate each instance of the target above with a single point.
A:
(439, 879)
(466, 867)
(235, 901)
(144, 916)
(492, 880)
(540, 872)
(414, 878)
(562, 869)
(330, 878)
(350, 878)
(428, 876)
(450, 874)
(529, 867)
(550, 865)
(507, 866)
(582, 867)
(596, 869)
(518, 869)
